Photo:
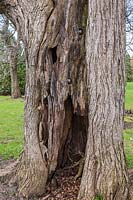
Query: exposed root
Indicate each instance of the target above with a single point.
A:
(80, 169)
(79, 163)
(32, 177)
(9, 172)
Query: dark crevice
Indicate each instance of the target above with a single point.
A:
(54, 54)
(44, 121)
(68, 106)
(75, 128)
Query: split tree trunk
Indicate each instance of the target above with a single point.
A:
(57, 98)
(105, 173)
(56, 95)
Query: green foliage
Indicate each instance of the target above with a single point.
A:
(129, 70)
(98, 197)
(21, 77)
(5, 80)
(11, 127)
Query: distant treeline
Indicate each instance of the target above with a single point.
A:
(129, 68)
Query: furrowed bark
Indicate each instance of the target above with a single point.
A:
(56, 107)
(105, 173)
(53, 33)
(15, 90)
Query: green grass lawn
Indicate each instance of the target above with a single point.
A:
(129, 96)
(11, 127)
(128, 134)
(128, 144)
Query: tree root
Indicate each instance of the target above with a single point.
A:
(31, 177)
(80, 169)
(79, 163)
(9, 172)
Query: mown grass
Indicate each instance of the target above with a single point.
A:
(11, 127)
(129, 96)
(128, 134)
(128, 144)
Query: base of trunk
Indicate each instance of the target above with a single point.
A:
(32, 177)
(106, 181)
(16, 96)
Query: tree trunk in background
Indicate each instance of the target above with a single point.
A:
(56, 95)
(15, 90)
(12, 48)
(105, 173)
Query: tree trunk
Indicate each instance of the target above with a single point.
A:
(15, 90)
(54, 37)
(56, 108)
(105, 173)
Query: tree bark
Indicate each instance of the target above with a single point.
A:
(53, 33)
(56, 107)
(15, 90)
(105, 173)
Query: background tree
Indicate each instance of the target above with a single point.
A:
(11, 45)
(129, 69)
(129, 26)
(5, 80)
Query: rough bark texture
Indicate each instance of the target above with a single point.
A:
(53, 33)
(15, 90)
(105, 173)
(56, 107)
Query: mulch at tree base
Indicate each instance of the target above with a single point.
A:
(67, 187)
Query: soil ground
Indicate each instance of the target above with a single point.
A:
(63, 186)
